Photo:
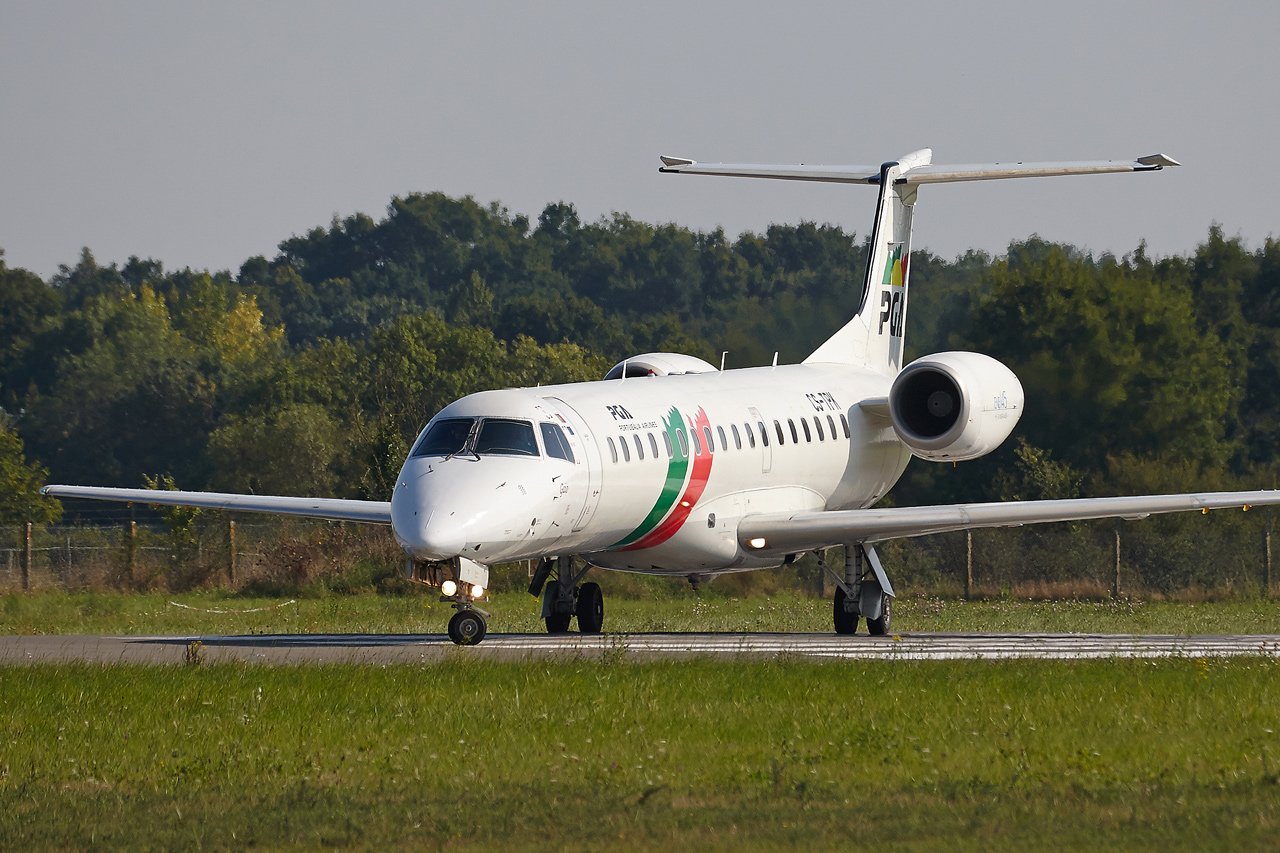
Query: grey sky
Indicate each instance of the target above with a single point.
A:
(202, 135)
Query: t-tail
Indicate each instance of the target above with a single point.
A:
(873, 338)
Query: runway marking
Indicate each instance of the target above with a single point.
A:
(415, 648)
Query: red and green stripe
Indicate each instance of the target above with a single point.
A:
(653, 530)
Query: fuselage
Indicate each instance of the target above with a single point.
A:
(648, 474)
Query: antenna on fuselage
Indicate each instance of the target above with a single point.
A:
(723, 356)
(775, 359)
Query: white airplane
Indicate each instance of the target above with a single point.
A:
(670, 466)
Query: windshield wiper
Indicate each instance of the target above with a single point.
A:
(468, 444)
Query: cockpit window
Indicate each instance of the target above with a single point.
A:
(499, 435)
(445, 437)
(553, 439)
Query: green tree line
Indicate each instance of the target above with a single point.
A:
(309, 372)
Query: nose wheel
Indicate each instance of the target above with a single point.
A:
(467, 627)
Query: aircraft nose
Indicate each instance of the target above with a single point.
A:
(439, 539)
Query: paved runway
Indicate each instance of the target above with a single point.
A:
(374, 649)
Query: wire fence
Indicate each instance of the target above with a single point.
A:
(220, 553)
(1222, 554)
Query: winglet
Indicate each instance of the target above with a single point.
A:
(1157, 160)
(676, 161)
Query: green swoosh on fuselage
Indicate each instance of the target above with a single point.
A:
(676, 470)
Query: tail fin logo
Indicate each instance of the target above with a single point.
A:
(892, 300)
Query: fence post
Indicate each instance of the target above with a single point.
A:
(1268, 543)
(968, 564)
(131, 551)
(1115, 588)
(231, 548)
(26, 560)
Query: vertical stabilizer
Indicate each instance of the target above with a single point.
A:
(873, 338)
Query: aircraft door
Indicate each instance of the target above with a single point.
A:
(586, 454)
(762, 436)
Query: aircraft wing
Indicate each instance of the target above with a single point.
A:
(369, 512)
(790, 533)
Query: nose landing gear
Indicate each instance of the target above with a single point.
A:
(460, 584)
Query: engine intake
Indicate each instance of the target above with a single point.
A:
(953, 406)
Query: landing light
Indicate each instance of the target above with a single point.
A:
(477, 591)
(758, 542)
(448, 587)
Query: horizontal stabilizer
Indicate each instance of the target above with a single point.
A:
(997, 171)
(330, 509)
(790, 533)
(825, 174)
(914, 172)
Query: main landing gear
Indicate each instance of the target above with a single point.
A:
(563, 598)
(864, 591)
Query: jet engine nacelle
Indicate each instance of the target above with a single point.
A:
(952, 406)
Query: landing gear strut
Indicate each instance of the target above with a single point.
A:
(562, 598)
(864, 591)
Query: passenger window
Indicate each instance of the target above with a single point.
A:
(697, 445)
(639, 448)
(653, 445)
(613, 450)
(805, 426)
(818, 426)
(724, 442)
(711, 444)
(508, 438)
(446, 436)
(555, 442)
(684, 443)
(666, 439)
(626, 451)
(832, 424)
(844, 423)
(764, 433)
(737, 437)
(795, 437)
(781, 439)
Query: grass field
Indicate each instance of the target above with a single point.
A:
(56, 612)
(1170, 755)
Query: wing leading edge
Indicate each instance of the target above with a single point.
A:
(790, 533)
(330, 509)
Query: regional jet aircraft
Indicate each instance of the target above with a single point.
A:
(670, 466)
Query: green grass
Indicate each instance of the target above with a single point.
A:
(56, 612)
(1175, 754)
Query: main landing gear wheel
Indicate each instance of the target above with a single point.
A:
(467, 628)
(846, 621)
(880, 627)
(590, 608)
(557, 622)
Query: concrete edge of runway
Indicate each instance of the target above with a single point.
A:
(381, 649)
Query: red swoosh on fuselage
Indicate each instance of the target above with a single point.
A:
(693, 491)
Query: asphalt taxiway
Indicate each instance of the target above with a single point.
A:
(378, 649)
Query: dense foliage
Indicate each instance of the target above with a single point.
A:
(308, 373)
